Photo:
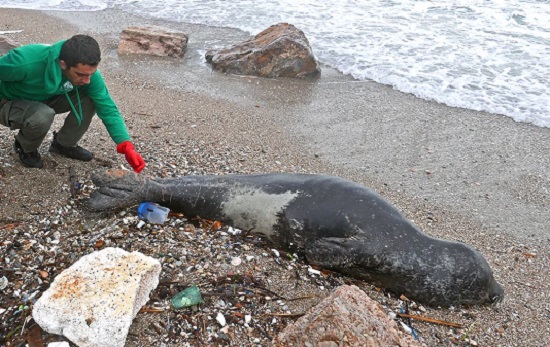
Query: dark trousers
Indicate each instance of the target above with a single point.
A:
(34, 119)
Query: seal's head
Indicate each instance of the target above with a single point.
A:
(432, 271)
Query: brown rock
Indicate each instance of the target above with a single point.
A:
(6, 44)
(153, 40)
(281, 50)
(348, 317)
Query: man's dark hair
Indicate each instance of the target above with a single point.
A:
(80, 49)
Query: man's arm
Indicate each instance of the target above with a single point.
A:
(106, 109)
(109, 114)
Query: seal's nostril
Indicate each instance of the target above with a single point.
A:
(497, 299)
(497, 293)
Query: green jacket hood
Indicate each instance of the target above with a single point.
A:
(53, 75)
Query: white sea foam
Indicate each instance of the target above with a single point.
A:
(59, 5)
(487, 55)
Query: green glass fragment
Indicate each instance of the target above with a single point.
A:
(189, 297)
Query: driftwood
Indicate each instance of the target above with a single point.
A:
(430, 320)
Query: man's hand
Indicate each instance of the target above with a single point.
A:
(132, 157)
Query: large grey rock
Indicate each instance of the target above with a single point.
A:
(93, 302)
(153, 40)
(281, 50)
(348, 317)
(6, 44)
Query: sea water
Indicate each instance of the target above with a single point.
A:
(485, 55)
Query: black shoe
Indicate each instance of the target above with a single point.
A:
(31, 159)
(75, 152)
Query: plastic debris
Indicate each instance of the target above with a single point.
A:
(406, 328)
(189, 297)
(152, 212)
(3, 32)
(233, 231)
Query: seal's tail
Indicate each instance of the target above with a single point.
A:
(116, 189)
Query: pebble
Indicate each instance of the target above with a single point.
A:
(59, 344)
(236, 261)
(221, 319)
(313, 271)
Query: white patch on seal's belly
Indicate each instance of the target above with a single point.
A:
(255, 209)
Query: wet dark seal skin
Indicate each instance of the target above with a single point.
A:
(338, 224)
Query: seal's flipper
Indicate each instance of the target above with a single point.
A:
(118, 189)
(337, 252)
(117, 178)
(104, 200)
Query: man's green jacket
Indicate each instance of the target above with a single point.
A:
(32, 72)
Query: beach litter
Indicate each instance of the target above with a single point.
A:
(189, 297)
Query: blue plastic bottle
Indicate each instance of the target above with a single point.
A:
(153, 212)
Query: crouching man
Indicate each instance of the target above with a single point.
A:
(39, 81)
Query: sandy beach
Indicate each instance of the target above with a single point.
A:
(459, 174)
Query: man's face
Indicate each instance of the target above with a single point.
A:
(78, 75)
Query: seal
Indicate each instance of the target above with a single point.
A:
(338, 224)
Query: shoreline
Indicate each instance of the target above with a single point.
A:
(458, 174)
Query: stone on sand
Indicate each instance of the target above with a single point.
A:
(94, 301)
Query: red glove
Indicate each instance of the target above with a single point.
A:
(132, 157)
